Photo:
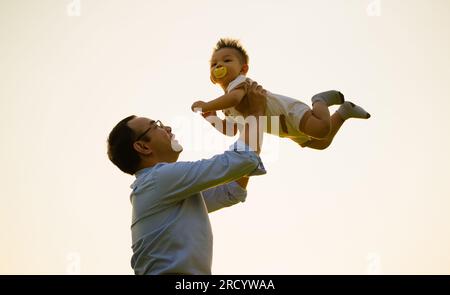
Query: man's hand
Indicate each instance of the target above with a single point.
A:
(198, 105)
(256, 107)
(255, 101)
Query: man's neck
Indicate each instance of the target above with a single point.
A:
(152, 162)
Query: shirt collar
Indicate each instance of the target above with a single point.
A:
(139, 174)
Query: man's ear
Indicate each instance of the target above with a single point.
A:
(142, 147)
(244, 68)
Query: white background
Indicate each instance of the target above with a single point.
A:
(376, 201)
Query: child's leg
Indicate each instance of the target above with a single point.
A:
(345, 111)
(321, 144)
(316, 123)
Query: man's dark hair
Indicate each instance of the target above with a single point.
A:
(120, 147)
(234, 44)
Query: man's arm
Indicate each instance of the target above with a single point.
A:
(243, 181)
(223, 196)
(224, 126)
(232, 193)
(179, 180)
(255, 109)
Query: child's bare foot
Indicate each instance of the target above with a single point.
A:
(331, 97)
(351, 110)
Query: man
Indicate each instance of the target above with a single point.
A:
(171, 232)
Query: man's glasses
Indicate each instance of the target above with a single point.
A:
(153, 124)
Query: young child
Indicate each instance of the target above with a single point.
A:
(313, 128)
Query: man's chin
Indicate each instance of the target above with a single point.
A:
(176, 146)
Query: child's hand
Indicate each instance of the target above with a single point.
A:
(209, 114)
(198, 105)
(212, 118)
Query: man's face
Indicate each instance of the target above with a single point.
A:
(228, 58)
(157, 138)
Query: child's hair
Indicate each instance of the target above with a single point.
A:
(234, 44)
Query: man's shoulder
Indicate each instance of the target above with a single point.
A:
(146, 174)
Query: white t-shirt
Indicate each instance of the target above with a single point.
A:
(277, 105)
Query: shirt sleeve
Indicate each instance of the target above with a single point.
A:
(223, 196)
(179, 180)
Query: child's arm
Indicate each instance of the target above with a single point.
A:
(231, 99)
(223, 126)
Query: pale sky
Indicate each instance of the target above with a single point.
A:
(376, 201)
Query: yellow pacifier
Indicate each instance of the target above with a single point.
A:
(220, 72)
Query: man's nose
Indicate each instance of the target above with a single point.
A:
(168, 129)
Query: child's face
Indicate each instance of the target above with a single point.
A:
(226, 58)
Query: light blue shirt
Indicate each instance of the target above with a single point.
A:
(171, 232)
